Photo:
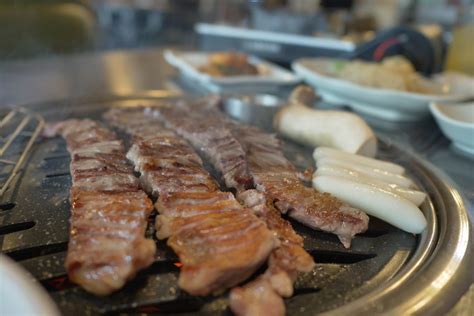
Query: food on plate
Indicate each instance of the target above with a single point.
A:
(342, 130)
(107, 244)
(377, 187)
(395, 73)
(219, 242)
(261, 165)
(224, 64)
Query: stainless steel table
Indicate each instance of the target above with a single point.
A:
(125, 72)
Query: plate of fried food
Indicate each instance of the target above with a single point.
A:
(221, 71)
(391, 89)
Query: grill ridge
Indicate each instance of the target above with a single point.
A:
(13, 228)
(38, 251)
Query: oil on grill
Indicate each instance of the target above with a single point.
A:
(34, 213)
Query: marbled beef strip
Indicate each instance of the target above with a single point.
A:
(219, 242)
(109, 212)
(258, 157)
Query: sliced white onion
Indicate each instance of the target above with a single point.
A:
(416, 197)
(375, 173)
(374, 201)
(326, 152)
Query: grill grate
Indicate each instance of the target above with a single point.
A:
(16, 144)
(34, 213)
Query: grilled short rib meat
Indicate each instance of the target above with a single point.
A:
(274, 175)
(258, 156)
(219, 242)
(213, 140)
(264, 294)
(285, 261)
(109, 212)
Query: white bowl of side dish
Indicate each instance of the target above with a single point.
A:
(457, 123)
(392, 105)
(20, 294)
(270, 78)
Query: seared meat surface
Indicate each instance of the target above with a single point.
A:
(109, 212)
(256, 298)
(258, 157)
(267, 291)
(274, 175)
(215, 142)
(219, 242)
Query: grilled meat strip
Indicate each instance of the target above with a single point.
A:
(219, 242)
(109, 212)
(263, 296)
(274, 175)
(259, 157)
(212, 139)
(286, 261)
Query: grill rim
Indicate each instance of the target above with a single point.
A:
(403, 293)
(416, 291)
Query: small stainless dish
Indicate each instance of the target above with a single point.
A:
(256, 109)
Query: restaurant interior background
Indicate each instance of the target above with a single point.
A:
(91, 25)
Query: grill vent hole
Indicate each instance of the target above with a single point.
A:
(58, 156)
(7, 206)
(59, 283)
(177, 306)
(37, 251)
(161, 267)
(324, 256)
(305, 290)
(13, 228)
(60, 174)
(372, 233)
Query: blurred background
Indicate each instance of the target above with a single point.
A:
(279, 30)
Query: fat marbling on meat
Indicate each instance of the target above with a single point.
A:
(109, 212)
(219, 242)
(260, 161)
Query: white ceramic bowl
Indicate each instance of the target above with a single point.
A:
(20, 294)
(392, 105)
(457, 123)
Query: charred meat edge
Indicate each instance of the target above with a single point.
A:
(107, 244)
(219, 242)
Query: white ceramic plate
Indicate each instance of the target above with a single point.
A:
(387, 104)
(188, 64)
(457, 123)
(20, 294)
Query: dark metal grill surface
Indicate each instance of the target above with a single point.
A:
(34, 228)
